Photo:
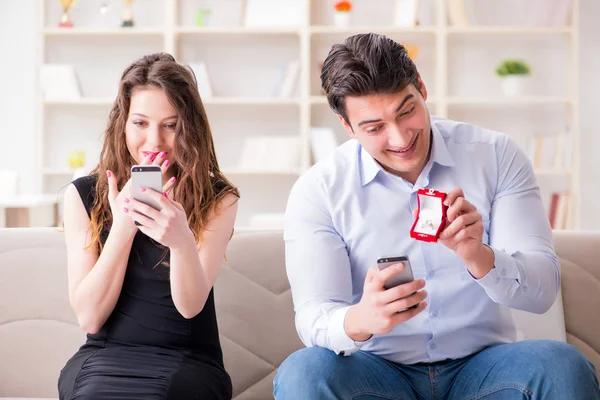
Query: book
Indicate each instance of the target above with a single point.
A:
(288, 83)
(323, 142)
(202, 79)
(59, 82)
(274, 13)
(559, 213)
(550, 151)
(457, 13)
(270, 153)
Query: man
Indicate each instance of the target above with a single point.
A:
(495, 253)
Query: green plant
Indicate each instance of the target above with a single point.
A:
(512, 67)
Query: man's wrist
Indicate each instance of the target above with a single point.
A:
(482, 263)
(352, 326)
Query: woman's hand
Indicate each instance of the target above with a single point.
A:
(120, 200)
(169, 226)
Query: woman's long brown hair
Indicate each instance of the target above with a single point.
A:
(195, 163)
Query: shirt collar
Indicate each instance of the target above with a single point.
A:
(439, 151)
(439, 154)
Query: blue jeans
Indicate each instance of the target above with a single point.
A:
(538, 369)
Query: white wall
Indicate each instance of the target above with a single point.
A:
(17, 90)
(17, 106)
(590, 108)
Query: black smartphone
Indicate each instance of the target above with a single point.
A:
(404, 276)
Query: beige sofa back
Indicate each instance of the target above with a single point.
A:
(38, 331)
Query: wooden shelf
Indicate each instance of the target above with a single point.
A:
(84, 101)
(236, 30)
(507, 101)
(57, 171)
(508, 30)
(323, 100)
(102, 32)
(245, 60)
(553, 172)
(256, 172)
(266, 101)
(329, 29)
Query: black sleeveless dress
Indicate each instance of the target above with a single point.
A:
(146, 349)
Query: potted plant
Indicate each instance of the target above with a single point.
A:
(341, 17)
(515, 76)
(76, 161)
(203, 17)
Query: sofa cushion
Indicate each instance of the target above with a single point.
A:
(580, 255)
(36, 320)
(255, 312)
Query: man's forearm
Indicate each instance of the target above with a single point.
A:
(482, 264)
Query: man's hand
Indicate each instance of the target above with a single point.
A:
(380, 310)
(464, 232)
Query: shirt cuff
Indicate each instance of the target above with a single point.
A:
(339, 341)
(505, 270)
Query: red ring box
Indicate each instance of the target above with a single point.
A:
(431, 217)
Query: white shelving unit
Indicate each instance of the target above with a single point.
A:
(456, 63)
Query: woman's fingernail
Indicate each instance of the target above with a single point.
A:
(142, 189)
(166, 195)
(126, 200)
(125, 209)
(173, 179)
(167, 163)
(163, 154)
(152, 157)
(108, 174)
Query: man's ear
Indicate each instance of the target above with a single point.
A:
(422, 88)
(347, 127)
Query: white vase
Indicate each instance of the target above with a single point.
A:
(516, 85)
(79, 172)
(341, 18)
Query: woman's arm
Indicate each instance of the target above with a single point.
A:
(193, 270)
(95, 281)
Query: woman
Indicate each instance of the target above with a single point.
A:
(144, 294)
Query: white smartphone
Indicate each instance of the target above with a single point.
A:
(404, 276)
(150, 177)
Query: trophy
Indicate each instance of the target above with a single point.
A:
(127, 16)
(65, 20)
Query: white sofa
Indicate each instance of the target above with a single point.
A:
(38, 332)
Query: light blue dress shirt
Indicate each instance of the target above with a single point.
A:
(346, 212)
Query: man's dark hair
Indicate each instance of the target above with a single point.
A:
(365, 64)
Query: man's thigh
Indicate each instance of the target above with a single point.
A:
(318, 373)
(538, 369)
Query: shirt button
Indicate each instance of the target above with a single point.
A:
(524, 288)
(503, 272)
(431, 274)
(435, 313)
(497, 280)
(432, 346)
